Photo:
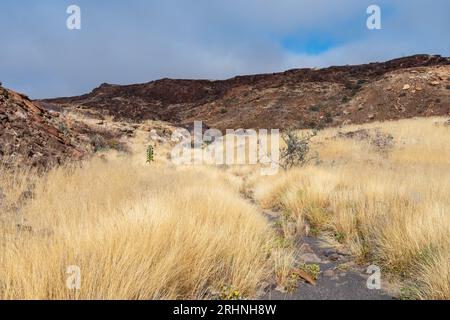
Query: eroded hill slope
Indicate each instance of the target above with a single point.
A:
(300, 98)
(32, 136)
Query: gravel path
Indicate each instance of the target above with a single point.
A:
(340, 277)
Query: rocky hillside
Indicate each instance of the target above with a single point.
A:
(301, 98)
(31, 136)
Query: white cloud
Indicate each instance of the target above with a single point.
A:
(139, 40)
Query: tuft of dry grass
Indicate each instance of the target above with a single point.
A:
(158, 231)
(388, 208)
(136, 232)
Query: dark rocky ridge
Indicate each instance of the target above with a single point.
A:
(31, 136)
(302, 98)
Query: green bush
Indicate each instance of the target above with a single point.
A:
(297, 150)
(150, 154)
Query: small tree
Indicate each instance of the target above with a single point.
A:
(150, 154)
(297, 150)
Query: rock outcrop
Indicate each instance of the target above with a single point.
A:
(300, 98)
(31, 136)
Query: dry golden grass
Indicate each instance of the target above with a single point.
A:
(136, 232)
(390, 208)
(159, 231)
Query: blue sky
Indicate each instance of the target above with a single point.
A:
(142, 40)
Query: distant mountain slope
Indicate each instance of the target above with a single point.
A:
(302, 98)
(31, 136)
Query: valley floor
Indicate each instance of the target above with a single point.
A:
(377, 194)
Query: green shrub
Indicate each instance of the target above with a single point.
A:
(297, 151)
(312, 269)
(150, 154)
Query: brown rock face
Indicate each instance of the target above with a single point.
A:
(31, 136)
(301, 98)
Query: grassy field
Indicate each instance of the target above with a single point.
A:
(136, 232)
(390, 206)
(140, 231)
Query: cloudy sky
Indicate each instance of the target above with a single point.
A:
(141, 40)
